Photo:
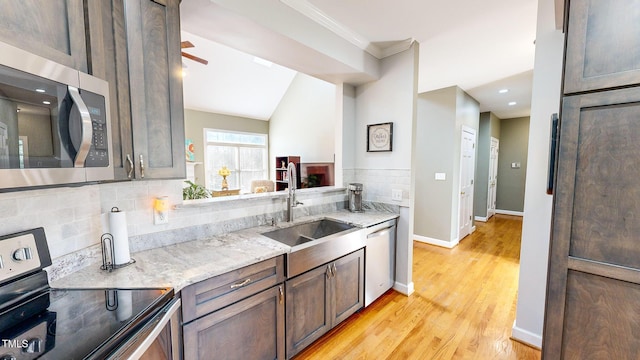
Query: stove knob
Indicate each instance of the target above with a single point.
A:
(34, 346)
(22, 254)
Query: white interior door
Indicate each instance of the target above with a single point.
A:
(493, 177)
(467, 171)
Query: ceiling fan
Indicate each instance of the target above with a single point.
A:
(188, 44)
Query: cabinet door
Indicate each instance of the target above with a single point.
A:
(347, 286)
(594, 281)
(602, 45)
(251, 329)
(308, 308)
(155, 68)
(108, 44)
(53, 29)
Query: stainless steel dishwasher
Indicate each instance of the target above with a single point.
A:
(380, 261)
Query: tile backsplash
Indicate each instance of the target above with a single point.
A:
(379, 183)
(71, 216)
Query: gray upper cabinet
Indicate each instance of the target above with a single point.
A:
(54, 29)
(602, 45)
(135, 46)
(155, 70)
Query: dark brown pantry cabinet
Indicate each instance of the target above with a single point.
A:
(135, 46)
(594, 265)
(321, 298)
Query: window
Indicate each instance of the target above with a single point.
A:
(245, 154)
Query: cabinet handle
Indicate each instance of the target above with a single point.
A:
(328, 272)
(86, 127)
(335, 270)
(141, 167)
(281, 294)
(130, 162)
(241, 284)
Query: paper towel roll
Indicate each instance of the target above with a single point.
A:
(125, 305)
(118, 229)
(104, 220)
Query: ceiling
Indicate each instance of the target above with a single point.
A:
(480, 46)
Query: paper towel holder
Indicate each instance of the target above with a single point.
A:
(108, 256)
(107, 245)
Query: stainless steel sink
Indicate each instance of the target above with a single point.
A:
(302, 233)
(316, 243)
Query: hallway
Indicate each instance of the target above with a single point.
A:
(463, 306)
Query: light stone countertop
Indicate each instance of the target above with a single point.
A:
(182, 264)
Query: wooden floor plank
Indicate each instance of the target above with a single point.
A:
(463, 306)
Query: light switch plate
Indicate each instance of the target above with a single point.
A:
(396, 194)
(441, 176)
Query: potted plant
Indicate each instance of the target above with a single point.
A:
(194, 191)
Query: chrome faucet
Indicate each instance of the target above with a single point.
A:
(291, 199)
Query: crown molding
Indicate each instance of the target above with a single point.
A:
(312, 12)
(396, 48)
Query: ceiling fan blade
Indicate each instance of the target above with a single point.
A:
(195, 58)
(186, 44)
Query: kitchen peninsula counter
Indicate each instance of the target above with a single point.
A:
(180, 265)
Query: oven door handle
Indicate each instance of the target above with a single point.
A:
(151, 332)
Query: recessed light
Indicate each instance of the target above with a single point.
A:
(46, 102)
(40, 90)
(512, 103)
(503, 91)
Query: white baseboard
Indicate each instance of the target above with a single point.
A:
(473, 229)
(480, 218)
(509, 212)
(526, 337)
(437, 242)
(404, 288)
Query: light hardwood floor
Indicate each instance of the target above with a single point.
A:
(463, 306)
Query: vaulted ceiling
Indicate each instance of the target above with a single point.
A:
(480, 46)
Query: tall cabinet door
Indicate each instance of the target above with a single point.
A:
(108, 44)
(594, 272)
(155, 77)
(54, 29)
(602, 45)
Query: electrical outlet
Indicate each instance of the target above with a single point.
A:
(396, 194)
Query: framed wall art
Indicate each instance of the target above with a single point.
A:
(380, 137)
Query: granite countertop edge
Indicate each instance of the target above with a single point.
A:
(180, 265)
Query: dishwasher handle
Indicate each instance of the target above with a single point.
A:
(381, 232)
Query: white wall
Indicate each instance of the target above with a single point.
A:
(534, 252)
(389, 99)
(392, 98)
(303, 123)
(441, 115)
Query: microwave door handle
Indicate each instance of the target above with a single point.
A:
(87, 127)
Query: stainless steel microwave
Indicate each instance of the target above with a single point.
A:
(55, 127)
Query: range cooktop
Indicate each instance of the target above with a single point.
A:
(39, 322)
(77, 323)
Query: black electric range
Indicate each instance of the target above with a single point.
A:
(39, 322)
